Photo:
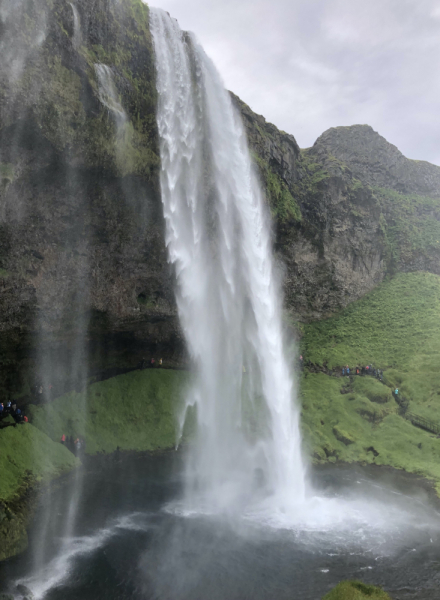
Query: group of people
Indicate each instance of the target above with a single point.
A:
(367, 370)
(10, 408)
(152, 363)
(77, 446)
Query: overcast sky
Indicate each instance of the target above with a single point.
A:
(308, 65)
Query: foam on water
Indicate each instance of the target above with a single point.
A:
(60, 568)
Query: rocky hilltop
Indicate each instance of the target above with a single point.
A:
(83, 266)
(376, 162)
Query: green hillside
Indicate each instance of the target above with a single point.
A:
(397, 329)
(136, 411)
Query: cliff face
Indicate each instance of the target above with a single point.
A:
(376, 162)
(83, 267)
(359, 210)
(84, 276)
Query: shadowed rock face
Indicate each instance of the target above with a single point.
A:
(81, 226)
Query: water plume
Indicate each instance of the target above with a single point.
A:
(229, 299)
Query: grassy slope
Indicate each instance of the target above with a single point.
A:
(397, 328)
(25, 452)
(354, 590)
(133, 412)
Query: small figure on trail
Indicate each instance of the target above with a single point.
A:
(152, 362)
(363, 371)
(343, 371)
(40, 389)
(2, 408)
(347, 370)
(63, 439)
(160, 362)
(244, 369)
(374, 372)
(367, 370)
(396, 393)
(357, 370)
(77, 444)
(25, 419)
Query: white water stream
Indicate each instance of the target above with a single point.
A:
(229, 299)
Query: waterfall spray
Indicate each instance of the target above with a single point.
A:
(229, 300)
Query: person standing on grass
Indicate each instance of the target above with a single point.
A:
(152, 362)
(343, 371)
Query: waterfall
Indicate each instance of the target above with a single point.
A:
(77, 36)
(228, 296)
(108, 94)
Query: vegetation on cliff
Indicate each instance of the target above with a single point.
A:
(27, 457)
(355, 590)
(56, 86)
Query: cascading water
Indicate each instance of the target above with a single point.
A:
(77, 35)
(229, 300)
(108, 94)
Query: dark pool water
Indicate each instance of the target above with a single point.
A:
(130, 541)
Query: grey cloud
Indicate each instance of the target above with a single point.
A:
(308, 65)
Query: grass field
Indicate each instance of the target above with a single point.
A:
(26, 452)
(136, 411)
(396, 328)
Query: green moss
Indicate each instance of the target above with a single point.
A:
(283, 205)
(372, 389)
(355, 590)
(59, 98)
(411, 224)
(136, 411)
(343, 436)
(25, 452)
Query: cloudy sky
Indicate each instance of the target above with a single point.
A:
(308, 65)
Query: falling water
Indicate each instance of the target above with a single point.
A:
(77, 36)
(229, 300)
(108, 94)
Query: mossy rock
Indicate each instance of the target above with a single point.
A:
(370, 410)
(343, 436)
(355, 590)
(13, 535)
